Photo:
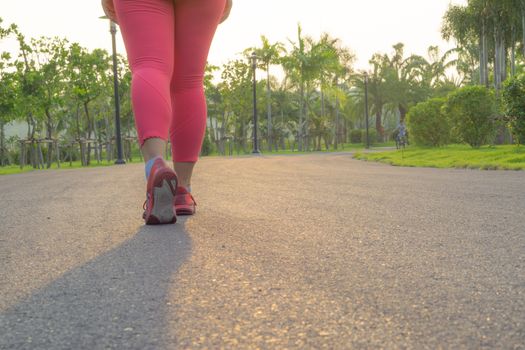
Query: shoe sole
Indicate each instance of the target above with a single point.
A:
(185, 211)
(163, 196)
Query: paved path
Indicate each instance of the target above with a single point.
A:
(310, 251)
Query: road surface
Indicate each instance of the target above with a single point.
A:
(306, 251)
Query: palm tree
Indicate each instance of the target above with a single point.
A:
(268, 55)
(299, 66)
(479, 20)
(377, 89)
(402, 76)
(434, 78)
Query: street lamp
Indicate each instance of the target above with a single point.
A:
(113, 31)
(254, 68)
(366, 111)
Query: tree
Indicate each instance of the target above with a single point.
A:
(235, 89)
(268, 54)
(7, 96)
(300, 67)
(514, 102)
(377, 89)
(471, 111)
(51, 57)
(475, 23)
(7, 103)
(332, 63)
(402, 76)
(434, 79)
(88, 73)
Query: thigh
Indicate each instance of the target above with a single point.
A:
(195, 25)
(148, 31)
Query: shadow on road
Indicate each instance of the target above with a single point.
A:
(117, 300)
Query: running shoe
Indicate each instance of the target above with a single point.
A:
(184, 202)
(160, 194)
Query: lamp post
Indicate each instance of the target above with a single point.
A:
(366, 111)
(254, 69)
(113, 31)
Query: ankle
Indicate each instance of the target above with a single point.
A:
(149, 164)
(186, 186)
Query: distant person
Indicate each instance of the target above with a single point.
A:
(402, 131)
(167, 42)
(400, 135)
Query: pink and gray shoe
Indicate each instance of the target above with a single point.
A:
(184, 202)
(160, 195)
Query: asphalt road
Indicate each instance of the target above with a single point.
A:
(310, 251)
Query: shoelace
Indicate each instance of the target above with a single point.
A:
(145, 203)
(191, 196)
(193, 199)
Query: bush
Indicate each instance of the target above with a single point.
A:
(470, 111)
(514, 106)
(355, 136)
(372, 134)
(207, 146)
(427, 125)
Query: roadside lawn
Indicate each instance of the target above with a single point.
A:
(15, 169)
(505, 157)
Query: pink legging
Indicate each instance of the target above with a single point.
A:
(167, 43)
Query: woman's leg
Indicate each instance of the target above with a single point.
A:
(195, 25)
(148, 31)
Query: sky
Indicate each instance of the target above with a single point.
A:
(366, 26)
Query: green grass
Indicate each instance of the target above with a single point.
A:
(506, 157)
(15, 169)
(347, 148)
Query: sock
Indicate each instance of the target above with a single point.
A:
(188, 188)
(149, 165)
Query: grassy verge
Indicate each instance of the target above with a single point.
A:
(506, 157)
(15, 169)
(342, 148)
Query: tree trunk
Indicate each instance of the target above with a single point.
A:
(86, 110)
(49, 132)
(2, 147)
(402, 113)
(77, 115)
(306, 123)
(496, 59)
(343, 133)
(301, 119)
(269, 106)
(32, 126)
(513, 53)
(108, 138)
(211, 131)
(97, 142)
(221, 137)
(28, 121)
(503, 58)
(336, 129)
(482, 54)
(244, 136)
(379, 125)
(322, 97)
(523, 26)
(485, 57)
